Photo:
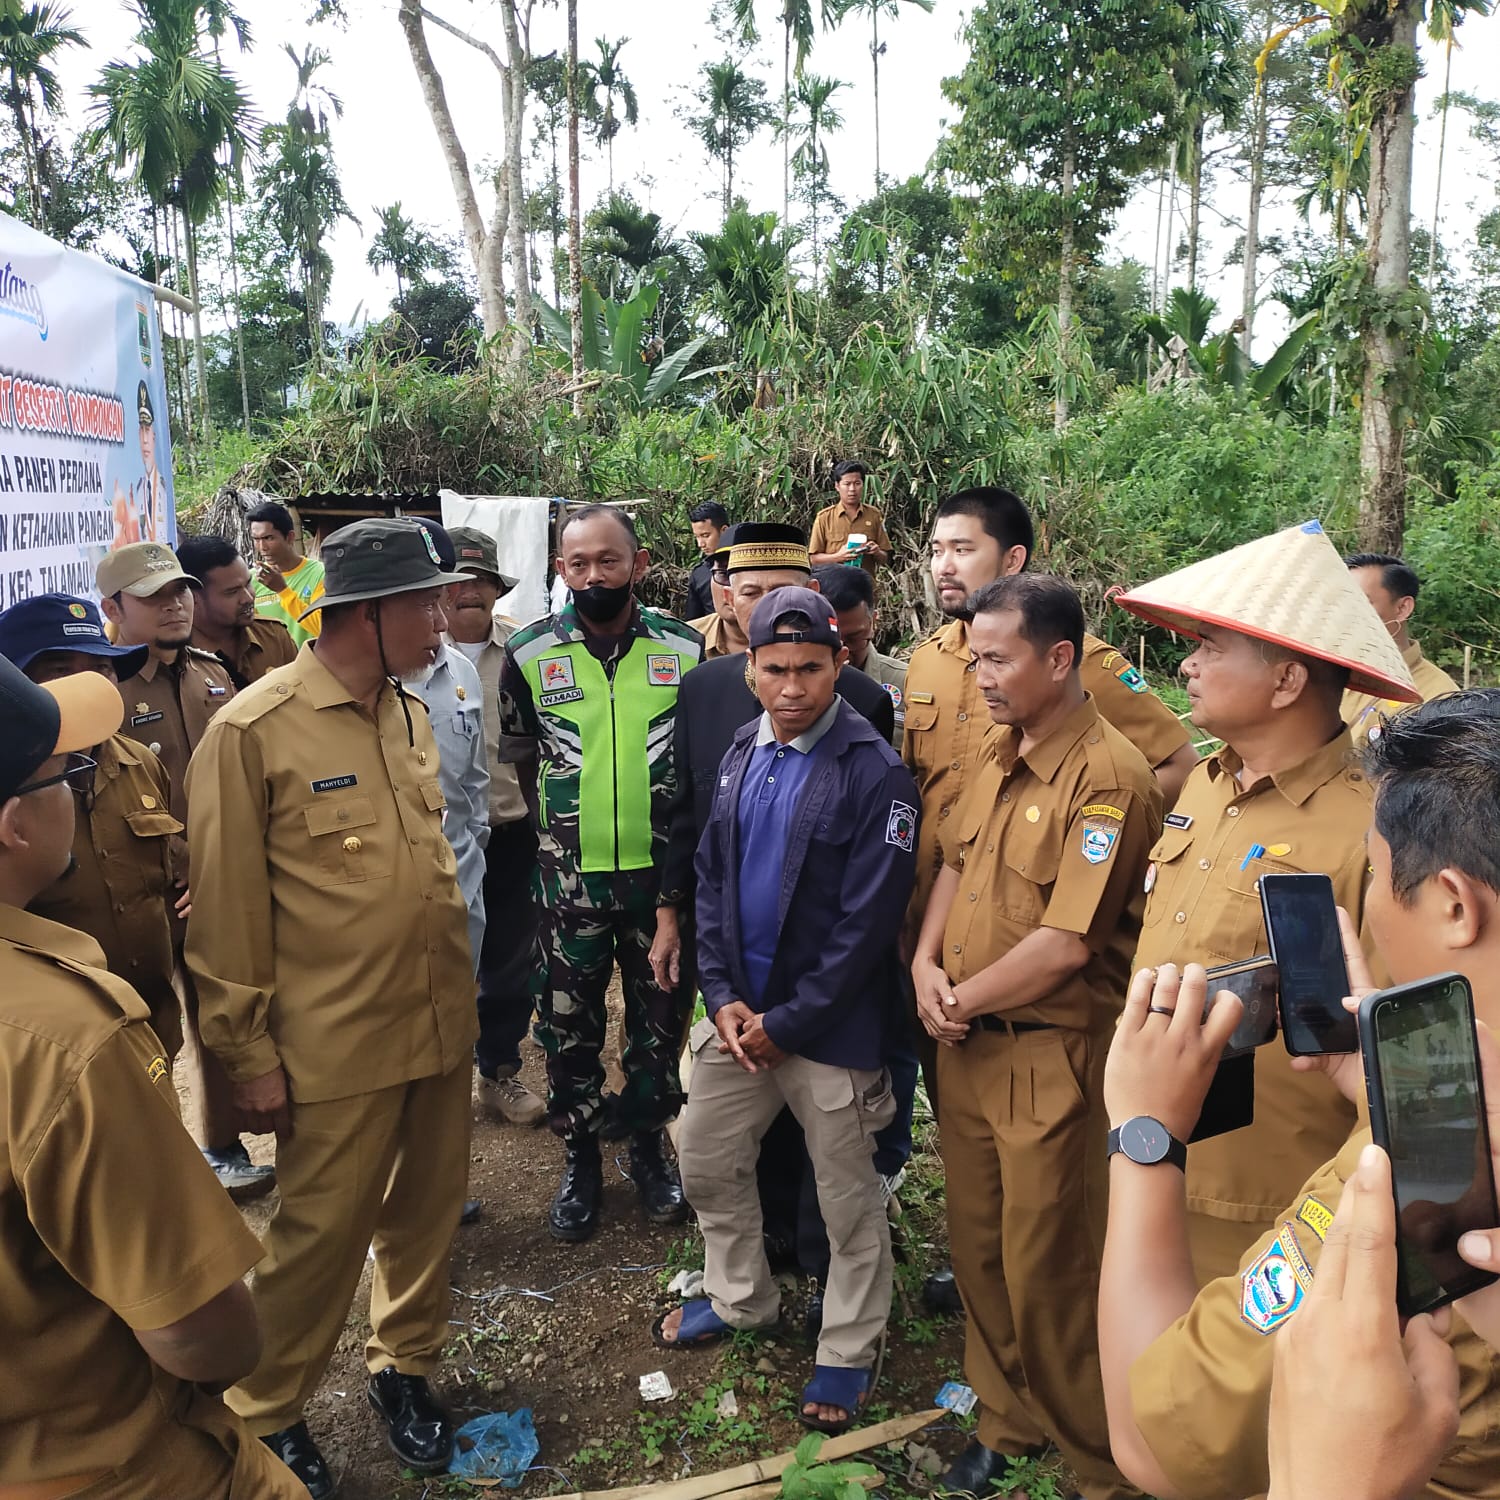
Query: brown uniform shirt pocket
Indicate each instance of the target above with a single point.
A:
(343, 854)
(152, 825)
(432, 797)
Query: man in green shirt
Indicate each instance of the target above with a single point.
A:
(287, 584)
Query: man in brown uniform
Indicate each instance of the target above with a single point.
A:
(1022, 959)
(1282, 630)
(147, 597)
(225, 624)
(1188, 1372)
(847, 517)
(1392, 587)
(119, 887)
(340, 998)
(121, 1304)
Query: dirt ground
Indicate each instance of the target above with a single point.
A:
(565, 1330)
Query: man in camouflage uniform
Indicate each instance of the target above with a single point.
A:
(588, 699)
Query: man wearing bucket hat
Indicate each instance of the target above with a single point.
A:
(1282, 629)
(119, 887)
(148, 598)
(340, 995)
(121, 1301)
(507, 957)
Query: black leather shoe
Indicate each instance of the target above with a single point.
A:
(975, 1470)
(294, 1446)
(656, 1179)
(575, 1209)
(940, 1293)
(418, 1431)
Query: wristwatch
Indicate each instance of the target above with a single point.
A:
(1147, 1142)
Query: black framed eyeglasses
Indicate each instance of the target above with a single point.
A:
(78, 773)
(720, 576)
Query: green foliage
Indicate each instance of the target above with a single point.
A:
(1456, 552)
(806, 1479)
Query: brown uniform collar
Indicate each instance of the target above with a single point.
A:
(153, 666)
(26, 930)
(954, 638)
(1296, 783)
(116, 751)
(1045, 759)
(324, 690)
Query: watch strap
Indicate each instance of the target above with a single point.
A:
(1176, 1150)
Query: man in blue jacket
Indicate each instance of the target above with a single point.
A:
(803, 873)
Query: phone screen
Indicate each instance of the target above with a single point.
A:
(1255, 981)
(1302, 925)
(1431, 1113)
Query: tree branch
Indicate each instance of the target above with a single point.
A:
(464, 36)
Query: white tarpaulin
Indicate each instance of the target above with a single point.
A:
(522, 528)
(85, 455)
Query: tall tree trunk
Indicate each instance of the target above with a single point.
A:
(179, 334)
(1389, 356)
(875, 93)
(728, 172)
(239, 325)
(199, 369)
(17, 109)
(813, 200)
(575, 235)
(555, 215)
(786, 128)
(484, 246)
(1437, 193)
(1252, 217)
(1064, 299)
(513, 101)
(1158, 299)
(1195, 204)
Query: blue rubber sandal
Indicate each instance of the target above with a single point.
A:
(836, 1385)
(701, 1327)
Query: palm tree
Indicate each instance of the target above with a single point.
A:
(27, 40)
(734, 109)
(797, 30)
(623, 237)
(810, 160)
(403, 245)
(605, 76)
(547, 83)
(875, 9)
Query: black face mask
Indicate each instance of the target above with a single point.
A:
(598, 602)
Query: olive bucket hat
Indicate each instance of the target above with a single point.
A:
(376, 558)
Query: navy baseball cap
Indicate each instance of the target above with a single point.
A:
(63, 622)
(814, 620)
(73, 713)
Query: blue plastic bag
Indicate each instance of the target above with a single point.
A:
(498, 1446)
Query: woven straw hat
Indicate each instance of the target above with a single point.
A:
(1291, 588)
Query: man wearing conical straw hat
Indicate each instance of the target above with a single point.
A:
(1282, 630)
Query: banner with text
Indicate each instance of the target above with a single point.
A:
(85, 453)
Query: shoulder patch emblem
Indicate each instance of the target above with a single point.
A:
(901, 826)
(556, 672)
(1317, 1216)
(1099, 844)
(156, 1070)
(1103, 810)
(1131, 677)
(1111, 659)
(664, 671)
(1276, 1284)
(893, 693)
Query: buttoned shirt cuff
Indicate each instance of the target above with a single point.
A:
(250, 1060)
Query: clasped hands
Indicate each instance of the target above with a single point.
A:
(742, 1034)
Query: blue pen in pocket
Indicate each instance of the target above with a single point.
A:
(1257, 851)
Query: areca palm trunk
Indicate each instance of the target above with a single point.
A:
(786, 126)
(1195, 203)
(199, 367)
(575, 254)
(1064, 297)
(875, 94)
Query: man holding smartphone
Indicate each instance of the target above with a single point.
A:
(1187, 1373)
(1282, 630)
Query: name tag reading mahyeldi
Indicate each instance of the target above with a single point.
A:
(335, 783)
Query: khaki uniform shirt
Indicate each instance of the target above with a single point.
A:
(1201, 1393)
(110, 1220)
(1057, 838)
(1362, 712)
(833, 526)
(263, 646)
(168, 708)
(715, 637)
(328, 933)
(891, 675)
(946, 720)
(507, 805)
(120, 889)
(1203, 906)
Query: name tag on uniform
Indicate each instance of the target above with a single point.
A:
(215, 691)
(920, 697)
(1178, 820)
(335, 783)
(138, 719)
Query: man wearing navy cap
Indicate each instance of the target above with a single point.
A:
(118, 887)
(815, 815)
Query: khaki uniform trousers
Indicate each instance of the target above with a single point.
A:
(387, 1168)
(1017, 1129)
(718, 1141)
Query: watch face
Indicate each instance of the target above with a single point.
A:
(1144, 1140)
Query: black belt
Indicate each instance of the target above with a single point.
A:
(1011, 1028)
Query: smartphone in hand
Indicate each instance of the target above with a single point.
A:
(1255, 981)
(1302, 926)
(1427, 1111)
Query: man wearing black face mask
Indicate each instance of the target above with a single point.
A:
(589, 697)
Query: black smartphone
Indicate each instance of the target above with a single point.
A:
(1255, 981)
(1302, 926)
(1427, 1110)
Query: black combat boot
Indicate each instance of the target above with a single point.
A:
(656, 1179)
(575, 1209)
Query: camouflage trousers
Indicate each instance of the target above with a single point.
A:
(581, 946)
